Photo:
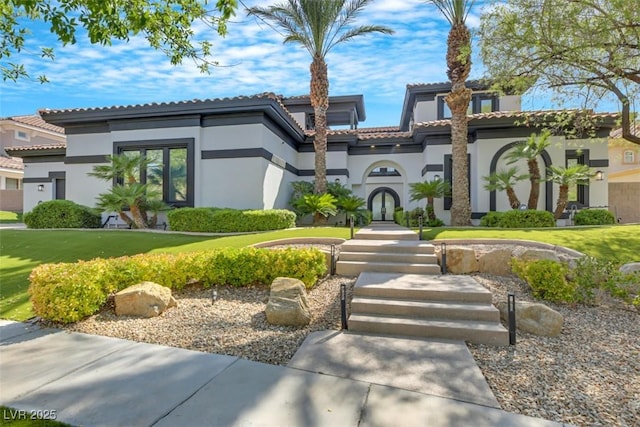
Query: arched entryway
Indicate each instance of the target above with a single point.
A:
(382, 202)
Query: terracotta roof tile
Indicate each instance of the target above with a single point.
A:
(11, 163)
(379, 129)
(38, 147)
(617, 133)
(36, 121)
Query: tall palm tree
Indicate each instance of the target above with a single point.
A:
(529, 150)
(318, 25)
(458, 69)
(429, 190)
(565, 177)
(504, 180)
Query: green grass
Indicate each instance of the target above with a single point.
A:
(10, 217)
(619, 243)
(23, 250)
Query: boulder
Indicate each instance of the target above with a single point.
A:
(288, 304)
(536, 254)
(497, 261)
(146, 299)
(461, 261)
(535, 318)
(631, 267)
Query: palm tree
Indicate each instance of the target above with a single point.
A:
(318, 25)
(458, 69)
(320, 205)
(504, 180)
(350, 205)
(565, 177)
(429, 190)
(529, 150)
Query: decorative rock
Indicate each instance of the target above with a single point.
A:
(461, 261)
(288, 304)
(535, 318)
(146, 299)
(535, 254)
(631, 267)
(496, 262)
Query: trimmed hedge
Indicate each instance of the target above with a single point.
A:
(216, 220)
(68, 292)
(594, 217)
(491, 219)
(62, 214)
(526, 219)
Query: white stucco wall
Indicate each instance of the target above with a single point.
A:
(39, 170)
(510, 103)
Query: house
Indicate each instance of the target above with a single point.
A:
(23, 131)
(244, 152)
(624, 177)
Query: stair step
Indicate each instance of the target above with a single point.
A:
(476, 332)
(421, 287)
(410, 258)
(389, 234)
(353, 268)
(425, 309)
(388, 246)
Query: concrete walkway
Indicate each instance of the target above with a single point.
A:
(98, 381)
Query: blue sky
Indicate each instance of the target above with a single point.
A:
(254, 60)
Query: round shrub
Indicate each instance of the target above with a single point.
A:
(547, 279)
(216, 220)
(62, 214)
(594, 217)
(526, 219)
(491, 219)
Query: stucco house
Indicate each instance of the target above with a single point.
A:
(244, 152)
(624, 177)
(21, 131)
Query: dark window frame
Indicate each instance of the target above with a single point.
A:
(448, 177)
(476, 104)
(582, 156)
(165, 144)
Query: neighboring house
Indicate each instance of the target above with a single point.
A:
(624, 177)
(244, 152)
(21, 131)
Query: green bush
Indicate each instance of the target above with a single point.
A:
(399, 216)
(547, 279)
(217, 220)
(526, 219)
(62, 214)
(68, 292)
(363, 217)
(594, 217)
(491, 219)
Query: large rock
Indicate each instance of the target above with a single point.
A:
(631, 267)
(497, 261)
(536, 254)
(461, 261)
(288, 304)
(535, 318)
(146, 299)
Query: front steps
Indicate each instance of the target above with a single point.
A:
(426, 306)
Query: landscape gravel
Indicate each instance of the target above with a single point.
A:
(588, 376)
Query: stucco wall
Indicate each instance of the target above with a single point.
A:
(624, 201)
(11, 200)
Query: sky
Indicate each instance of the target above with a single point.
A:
(252, 60)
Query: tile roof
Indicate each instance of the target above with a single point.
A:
(617, 133)
(11, 163)
(379, 129)
(38, 147)
(37, 122)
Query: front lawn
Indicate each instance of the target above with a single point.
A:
(10, 217)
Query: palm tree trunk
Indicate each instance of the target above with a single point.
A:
(136, 216)
(563, 198)
(431, 215)
(513, 199)
(534, 177)
(125, 218)
(319, 97)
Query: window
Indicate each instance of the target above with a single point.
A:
(578, 193)
(12, 183)
(170, 169)
(480, 103)
(384, 171)
(22, 135)
(310, 121)
(628, 157)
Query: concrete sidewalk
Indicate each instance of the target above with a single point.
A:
(98, 381)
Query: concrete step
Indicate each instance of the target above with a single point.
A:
(449, 310)
(395, 246)
(461, 289)
(490, 333)
(354, 268)
(386, 234)
(409, 258)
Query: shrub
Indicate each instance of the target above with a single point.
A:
(589, 275)
(547, 279)
(594, 217)
(62, 214)
(491, 219)
(69, 292)
(526, 219)
(400, 217)
(363, 217)
(217, 220)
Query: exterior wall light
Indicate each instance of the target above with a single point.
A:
(436, 177)
(40, 187)
(599, 175)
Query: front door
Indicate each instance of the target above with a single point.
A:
(382, 203)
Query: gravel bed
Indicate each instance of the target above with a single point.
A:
(588, 376)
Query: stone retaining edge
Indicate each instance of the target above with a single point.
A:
(529, 243)
(300, 240)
